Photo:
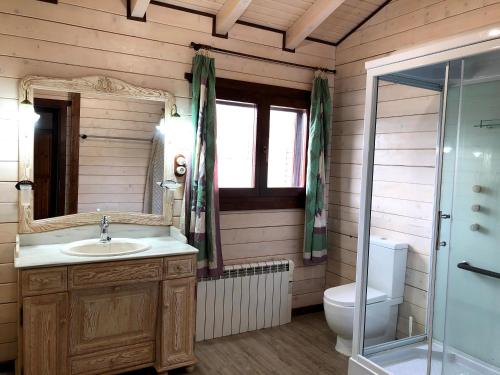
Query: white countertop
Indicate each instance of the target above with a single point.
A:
(51, 254)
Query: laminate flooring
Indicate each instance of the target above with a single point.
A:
(304, 346)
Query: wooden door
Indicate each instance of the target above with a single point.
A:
(45, 145)
(49, 166)
(45, 334)
(113, 317)
(177, 330)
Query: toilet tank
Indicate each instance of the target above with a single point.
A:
(387, 266)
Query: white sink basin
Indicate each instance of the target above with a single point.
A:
(94, 248)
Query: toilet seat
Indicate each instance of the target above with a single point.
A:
(345, 295)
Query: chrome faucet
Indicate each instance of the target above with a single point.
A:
(104, 225)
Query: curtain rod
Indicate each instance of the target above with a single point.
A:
(85, 136)
(197, 46)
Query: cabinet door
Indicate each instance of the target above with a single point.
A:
(45, 334)
(112, 317)
(177, 332)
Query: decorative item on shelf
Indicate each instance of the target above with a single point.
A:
(169, 184)
(180, 165)
(25, 187)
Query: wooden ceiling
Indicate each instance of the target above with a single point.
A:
(327, 20)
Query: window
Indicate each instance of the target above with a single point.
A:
(261, 145)
(287, 145)
(236, 130)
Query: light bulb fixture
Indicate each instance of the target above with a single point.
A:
(173, 111)
(27, 114)
(161, 126)
(25, 187)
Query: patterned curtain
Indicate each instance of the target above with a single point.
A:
(202, 218)
(315, 241)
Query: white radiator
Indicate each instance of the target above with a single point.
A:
(246, 298)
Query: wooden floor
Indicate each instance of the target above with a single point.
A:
(305, 346)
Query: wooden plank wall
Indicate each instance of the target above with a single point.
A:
(401, 24)
(87, 37)
(113, 172)
(404, 182)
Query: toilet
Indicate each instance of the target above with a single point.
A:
(386, 276)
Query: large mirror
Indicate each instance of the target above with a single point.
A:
(94, 146)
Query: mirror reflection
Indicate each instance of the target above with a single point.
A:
(401, 230)
(97, 153)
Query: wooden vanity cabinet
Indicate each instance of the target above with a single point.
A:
(45, 334)
(108, 317)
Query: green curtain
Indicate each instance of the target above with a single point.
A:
(202, 218)
(315, 241)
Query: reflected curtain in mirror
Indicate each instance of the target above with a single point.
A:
(202, 221)
(153, 192)
(315, 242)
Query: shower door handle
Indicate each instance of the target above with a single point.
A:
(466, 266)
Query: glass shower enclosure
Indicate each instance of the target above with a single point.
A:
(431, 188)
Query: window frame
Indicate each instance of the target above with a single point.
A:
(263, 96)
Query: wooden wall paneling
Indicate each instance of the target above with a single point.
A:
(37, 38)
(122, 164)
(400, 24)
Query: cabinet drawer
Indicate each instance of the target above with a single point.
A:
(114, 359)
(179, 267)
(43, 281)
(114, 273)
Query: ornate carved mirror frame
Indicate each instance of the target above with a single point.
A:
(87, 85)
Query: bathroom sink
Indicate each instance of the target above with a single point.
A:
(115, 247)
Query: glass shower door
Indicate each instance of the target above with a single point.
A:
(467, 321)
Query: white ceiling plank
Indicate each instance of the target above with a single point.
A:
(309, 21)
(229, 14)
(138, 8)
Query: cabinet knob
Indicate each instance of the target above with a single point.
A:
(476, 188)
(475, 208)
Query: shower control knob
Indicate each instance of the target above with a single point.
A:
(476, 188)
(475, 227)
(475, 208)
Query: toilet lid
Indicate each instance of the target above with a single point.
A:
(345, 295)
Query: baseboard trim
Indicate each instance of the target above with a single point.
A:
(307, 309)
(7, 367)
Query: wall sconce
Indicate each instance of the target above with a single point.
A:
(173, 111)
(162, 127)
(27, 114)
(25, 187)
